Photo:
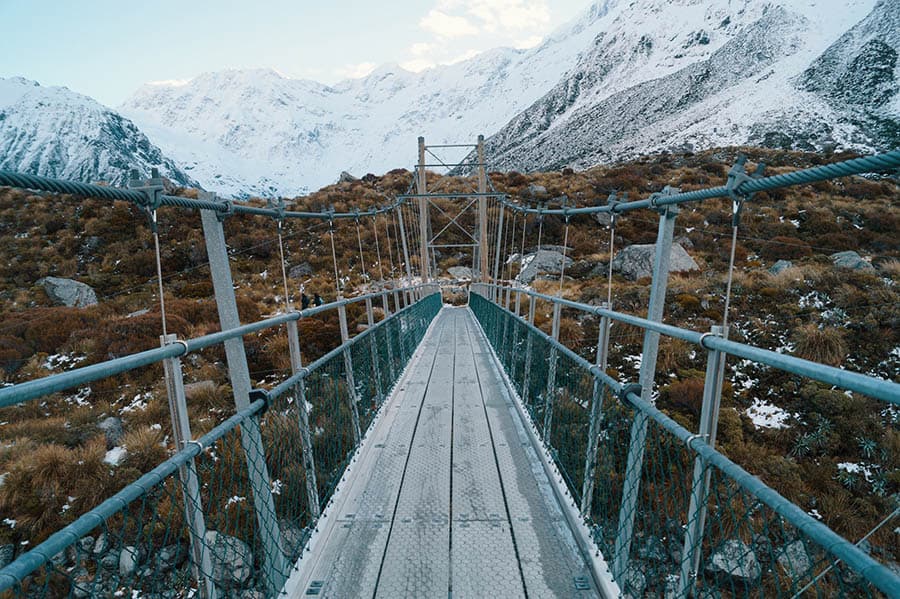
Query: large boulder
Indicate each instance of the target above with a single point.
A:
(851, 261)
(536, 191)
(68, 292)
(232, 559)
(734, 559)
(780, 266)
(795, 560)
(460, 273)
(346, 177)
(542, 261)
(636, 261)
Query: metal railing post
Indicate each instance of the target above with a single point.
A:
(309, 463)
(201, 561)
(709, 422)
(239, 375)
(370, 319)
(528, 351)
(596, 418)
(348, 373)
(635, 460)
(550, 392)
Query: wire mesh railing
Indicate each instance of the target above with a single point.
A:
(691, 522)
(196, 525)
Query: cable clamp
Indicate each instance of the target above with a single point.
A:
(278, 207)
(195, 442)
(690, 439)
(628, 389)
(183, 344)
(737, 176)
(654, 198)
(256, 394)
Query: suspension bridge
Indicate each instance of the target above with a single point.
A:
(447, 451)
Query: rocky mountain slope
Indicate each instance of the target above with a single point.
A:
(693, 75)
(54, 132)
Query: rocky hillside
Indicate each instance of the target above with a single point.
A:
(817, 276)
(54, 132)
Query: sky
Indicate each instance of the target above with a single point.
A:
(106, 49)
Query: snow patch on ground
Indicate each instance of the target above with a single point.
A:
(115, 455)
(767, 415)
(856, 468)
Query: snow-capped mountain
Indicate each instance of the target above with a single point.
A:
(54, 132)
(625, 78)
(259, 132)
(668, 74)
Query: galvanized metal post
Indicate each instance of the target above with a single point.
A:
(201, 562)
(424, 228)
(348, 374)
(239, 375)
(306, 447)
(635, 459)
(482, 214)
(526, 379)
(709, 422)
(550, 392)
(370, 319)
(596, 418)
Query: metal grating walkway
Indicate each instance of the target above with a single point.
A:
(448, 496)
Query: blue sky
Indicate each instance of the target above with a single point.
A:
(107, 48)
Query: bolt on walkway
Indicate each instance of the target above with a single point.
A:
(448, 496)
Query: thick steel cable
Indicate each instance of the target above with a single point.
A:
(362, 259)
(511, 248)
(389, 243)
(397, 240)
(522, 254)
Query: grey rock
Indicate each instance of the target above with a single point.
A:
(292, 536)
(299, 271)
(653, 550)
(110, 561)
(851, 260)
(101, 545)
(346, 177)
(140, 312)
(66, 557)
(112, 428)
(460, 273)
(232, 559)
(535, 190)
(780, 266)
(734, 559)
(543, 261)
(68, 292)
(129, 560)
(194, 390)
(253, 594)
(170, 556)
(684, 241)
(7, 553)
(636, 261)
(795, 560)
(603, 218)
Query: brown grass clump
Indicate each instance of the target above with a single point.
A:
(145, 448)
(824, 345)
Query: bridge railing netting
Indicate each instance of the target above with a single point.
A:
(745, 539)
(195, 526)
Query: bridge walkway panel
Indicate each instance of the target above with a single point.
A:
(448, 496)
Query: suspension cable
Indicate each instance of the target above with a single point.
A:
(337, 278)
(287, 297)
(378, 250)
(562, 266)
(512, 247)
(154, 226)
(522, 253)
(362, 260)
(388, 242)
(613, 216)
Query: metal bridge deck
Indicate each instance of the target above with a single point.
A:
(448, 496)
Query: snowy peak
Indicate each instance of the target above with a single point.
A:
(54, 132)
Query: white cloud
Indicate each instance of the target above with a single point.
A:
(356, 71)
(456, 30)
(447, 26)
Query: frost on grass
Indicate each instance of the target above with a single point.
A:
(767, 415)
